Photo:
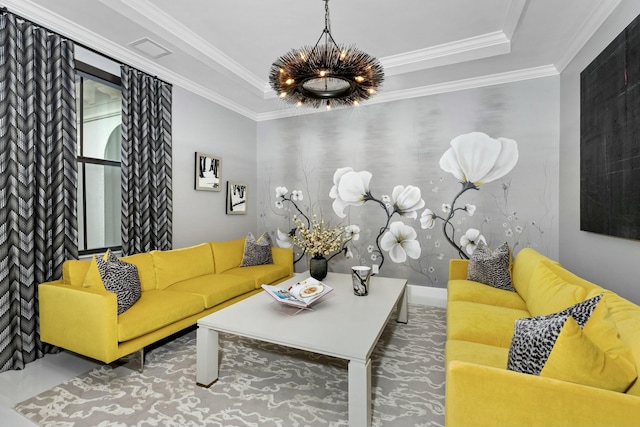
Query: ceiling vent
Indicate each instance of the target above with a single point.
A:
(149, 48)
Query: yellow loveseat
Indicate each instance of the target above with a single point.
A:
(178, 287)
(480, 391)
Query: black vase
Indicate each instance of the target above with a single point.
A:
(318, 267)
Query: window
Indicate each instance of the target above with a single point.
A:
(99, 109)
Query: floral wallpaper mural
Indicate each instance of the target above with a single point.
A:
(408, 185)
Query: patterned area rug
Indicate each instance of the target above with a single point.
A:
(259, 385)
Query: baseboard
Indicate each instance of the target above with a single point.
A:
(426, 295)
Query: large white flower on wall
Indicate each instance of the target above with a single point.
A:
(283, 239)
(350, 188)
(407, 200)
(477, 158)
(474, 159)
(469, 240)
(400, 241)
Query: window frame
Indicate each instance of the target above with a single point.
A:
(86, 71)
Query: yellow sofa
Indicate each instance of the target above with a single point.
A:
(480, 391)
(178, 287)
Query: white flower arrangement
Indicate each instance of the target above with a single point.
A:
(314, 236)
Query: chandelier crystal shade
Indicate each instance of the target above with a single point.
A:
(326, 74)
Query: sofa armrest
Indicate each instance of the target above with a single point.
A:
(458, 269)
(283, 256)
(479, 395)
(82, 320)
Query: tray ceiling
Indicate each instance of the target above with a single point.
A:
(223, 50)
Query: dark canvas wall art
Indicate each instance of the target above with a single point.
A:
(610, 138)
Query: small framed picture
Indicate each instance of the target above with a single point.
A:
(208, 172)
(236, 198)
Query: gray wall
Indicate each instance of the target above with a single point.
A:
(200, 125)
(401, 143)
(608, 261)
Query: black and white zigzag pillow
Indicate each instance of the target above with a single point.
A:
(257, 251)
(532, 342)
(120, 278)
(534, 337)
(581, 312)
(491, 268)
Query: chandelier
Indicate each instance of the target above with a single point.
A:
(326, 74)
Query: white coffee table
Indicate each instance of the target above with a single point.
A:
(344, 326)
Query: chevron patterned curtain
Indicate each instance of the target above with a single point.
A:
(38, 228)
(147, 208)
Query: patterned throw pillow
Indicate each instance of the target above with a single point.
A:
(532, 342)
(120, 278)
(581, 312)
(534, 337)
(257, 252)
(491, 268)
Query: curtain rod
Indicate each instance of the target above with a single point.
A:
(4, 9)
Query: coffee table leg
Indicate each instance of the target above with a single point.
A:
(359, 393)
(206, 357)
(403, 308)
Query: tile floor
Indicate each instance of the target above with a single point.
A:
(38, 376)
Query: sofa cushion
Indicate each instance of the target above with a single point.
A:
(261, 274)
(256, 251)
(481, 323)
(93, 279)
(74, 271)
(534, 337)
(492, 268)
(579, 344)
(146, 270)
(155, 309)
(121, 278)
(466, 290)
(215, 288)
(549, 293)
(532, 342)
(178, 265)
(473, 352)
(568, 276)
(626, 316)
(523, 265)
(593, 356)
(228, 254)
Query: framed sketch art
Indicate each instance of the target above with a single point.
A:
(236, 198)
(207, 170)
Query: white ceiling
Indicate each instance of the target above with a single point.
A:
(223, 49)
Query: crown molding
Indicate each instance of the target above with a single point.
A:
(514, 13)
(183, 35)
(469, 49)
(453, 86)
(482, 46)
(470, 83)
(587, 30)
